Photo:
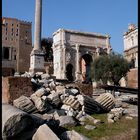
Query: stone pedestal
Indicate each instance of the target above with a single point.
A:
(37, 61)
(37, 56)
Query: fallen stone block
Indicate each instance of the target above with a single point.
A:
(60, 89)
(128, 118)
(44, 133)
(106, 100)
(73, 135)
(25, 104)
(52, 86)
(38, 119)
(66, 121)
(80, 98)
(54, 98)
(90, 127)
(91, 106)
(110, 120)
(71, 91)
(40, 92)
(110, 115)
(14, 121)
(56, 113)
(40, 104)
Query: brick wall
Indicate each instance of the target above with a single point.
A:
(132, 78)
(86, 89)
(14, 87)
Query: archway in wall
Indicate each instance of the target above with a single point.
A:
(69, 74)
(85, 66)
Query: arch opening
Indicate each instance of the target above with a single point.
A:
(86, 61)
(69, 73)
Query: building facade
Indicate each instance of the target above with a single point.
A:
(131, 54)
(16, 45)
(131, 44)
(74, 51)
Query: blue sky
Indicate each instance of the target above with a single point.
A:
(98, 16)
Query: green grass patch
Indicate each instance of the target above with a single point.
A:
(104, 128)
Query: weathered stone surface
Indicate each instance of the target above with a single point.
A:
(47, 116)
(72, 91)
(45, 76)
(14, 121)
(80, 98)
(86, 117)
(44, 133)
(110, 115)
(60, 89)
(56, 113)
(110, 121)
(11, 88)
(97, 121)
(106, 100)
(38, 119)
(67, 121)
(52, 86)
(91, 106)
(54, 98)
(40, 104)
(48, 90)
(40, 92)
(90, 127)
(129, 118)
(132, 111)
(25, 104)
(73, 135)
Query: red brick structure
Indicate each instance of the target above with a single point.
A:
(14, 87)
(16, 45)
(132, 78)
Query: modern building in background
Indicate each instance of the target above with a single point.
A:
(16, 45)
(131, 54)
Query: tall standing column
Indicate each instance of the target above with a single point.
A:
(37, 31)
(77, 73)
(37, 55)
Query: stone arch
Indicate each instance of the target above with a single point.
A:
(69, 72)
(85, 67)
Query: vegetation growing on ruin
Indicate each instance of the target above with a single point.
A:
(110, 67)
(104, 129)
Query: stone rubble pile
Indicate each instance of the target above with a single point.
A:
(53, 105)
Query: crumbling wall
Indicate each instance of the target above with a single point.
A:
(86, 89)
(132, 78)
(14, 87)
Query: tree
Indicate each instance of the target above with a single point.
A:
(46, 45)
(110, 67)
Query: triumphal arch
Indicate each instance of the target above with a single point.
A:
(74, 51)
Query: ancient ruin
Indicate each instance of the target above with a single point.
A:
(74, 51)
(37, 56)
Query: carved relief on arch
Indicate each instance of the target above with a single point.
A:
(68, 57)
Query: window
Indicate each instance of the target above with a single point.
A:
(5, 38)
(12, 24)
(5, 53)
